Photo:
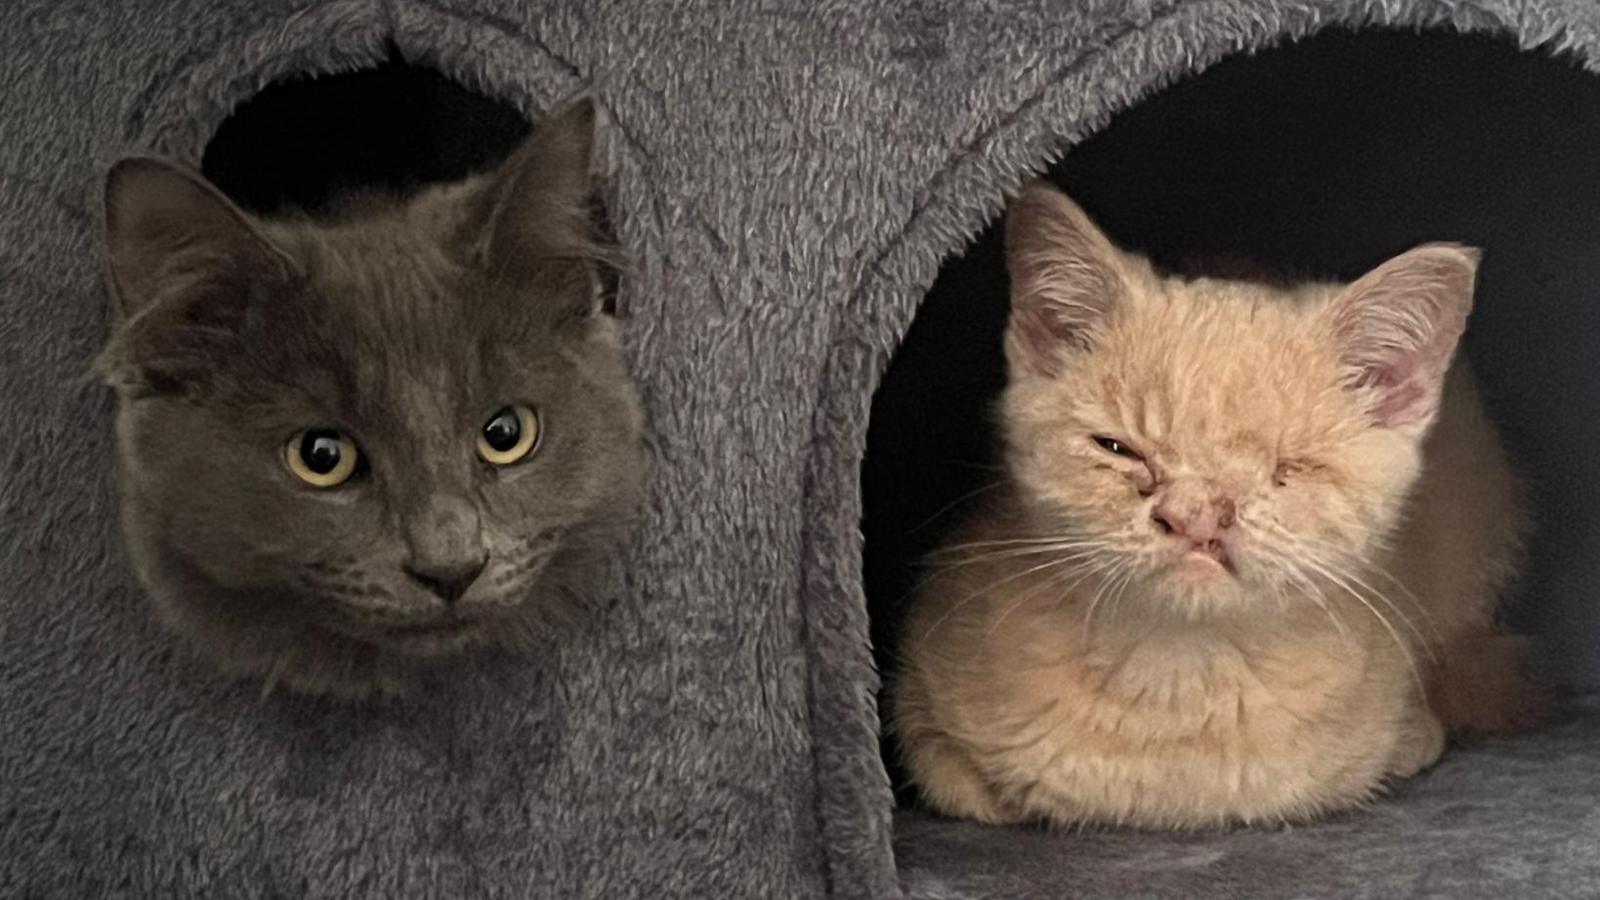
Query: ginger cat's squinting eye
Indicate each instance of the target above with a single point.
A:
(1117, 448)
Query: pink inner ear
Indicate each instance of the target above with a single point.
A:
(1040, 337)
(1064, 278)
(1402, 397)
(1398, 327)
(1406, 379)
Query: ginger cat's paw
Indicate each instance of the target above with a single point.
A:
(1420, 746)
(953, 786)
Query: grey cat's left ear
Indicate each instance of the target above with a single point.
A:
(1397, 328)
(536, 207)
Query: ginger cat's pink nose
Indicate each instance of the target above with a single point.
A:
(1195, 509)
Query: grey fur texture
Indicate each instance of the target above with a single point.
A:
(788, 178)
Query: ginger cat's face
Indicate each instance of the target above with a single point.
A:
(1205, 444)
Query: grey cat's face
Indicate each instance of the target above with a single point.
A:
(350, 445)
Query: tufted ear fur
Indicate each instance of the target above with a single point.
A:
(1066, 276)
(167, 228)
(1397, 328)
(184, 265)
(534, 215)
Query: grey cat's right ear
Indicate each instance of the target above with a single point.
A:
(1066, 275)
(171, 235)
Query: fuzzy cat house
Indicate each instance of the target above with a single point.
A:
(810, 195)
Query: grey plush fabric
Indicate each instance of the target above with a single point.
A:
(789, 176)
(1512, 818)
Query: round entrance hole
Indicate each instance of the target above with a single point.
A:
(1322, 157)
(393, 128)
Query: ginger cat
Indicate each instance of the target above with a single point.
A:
(1246, 563)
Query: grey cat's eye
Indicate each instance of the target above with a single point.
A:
(322, 457)
(509, 435)
(1112, 445)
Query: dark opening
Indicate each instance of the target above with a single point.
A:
(393, 128)
(1323, 157)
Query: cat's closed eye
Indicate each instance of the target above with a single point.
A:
(509, 436)
(322, 457)
(1290, 468)
(1119, 448)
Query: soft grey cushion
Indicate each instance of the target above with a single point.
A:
(1506, 819)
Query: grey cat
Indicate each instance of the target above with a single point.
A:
(354, 448)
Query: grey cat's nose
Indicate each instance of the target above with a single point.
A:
(447, 580)
(444, 544)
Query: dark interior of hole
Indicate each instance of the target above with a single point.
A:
(394, 127)
(1323, 158)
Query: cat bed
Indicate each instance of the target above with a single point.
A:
(788, 180)
(1515, 818)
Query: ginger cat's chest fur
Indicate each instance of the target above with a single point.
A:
(1038, 710)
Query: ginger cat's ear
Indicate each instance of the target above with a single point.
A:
(1397, 328)
(1066, 275)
